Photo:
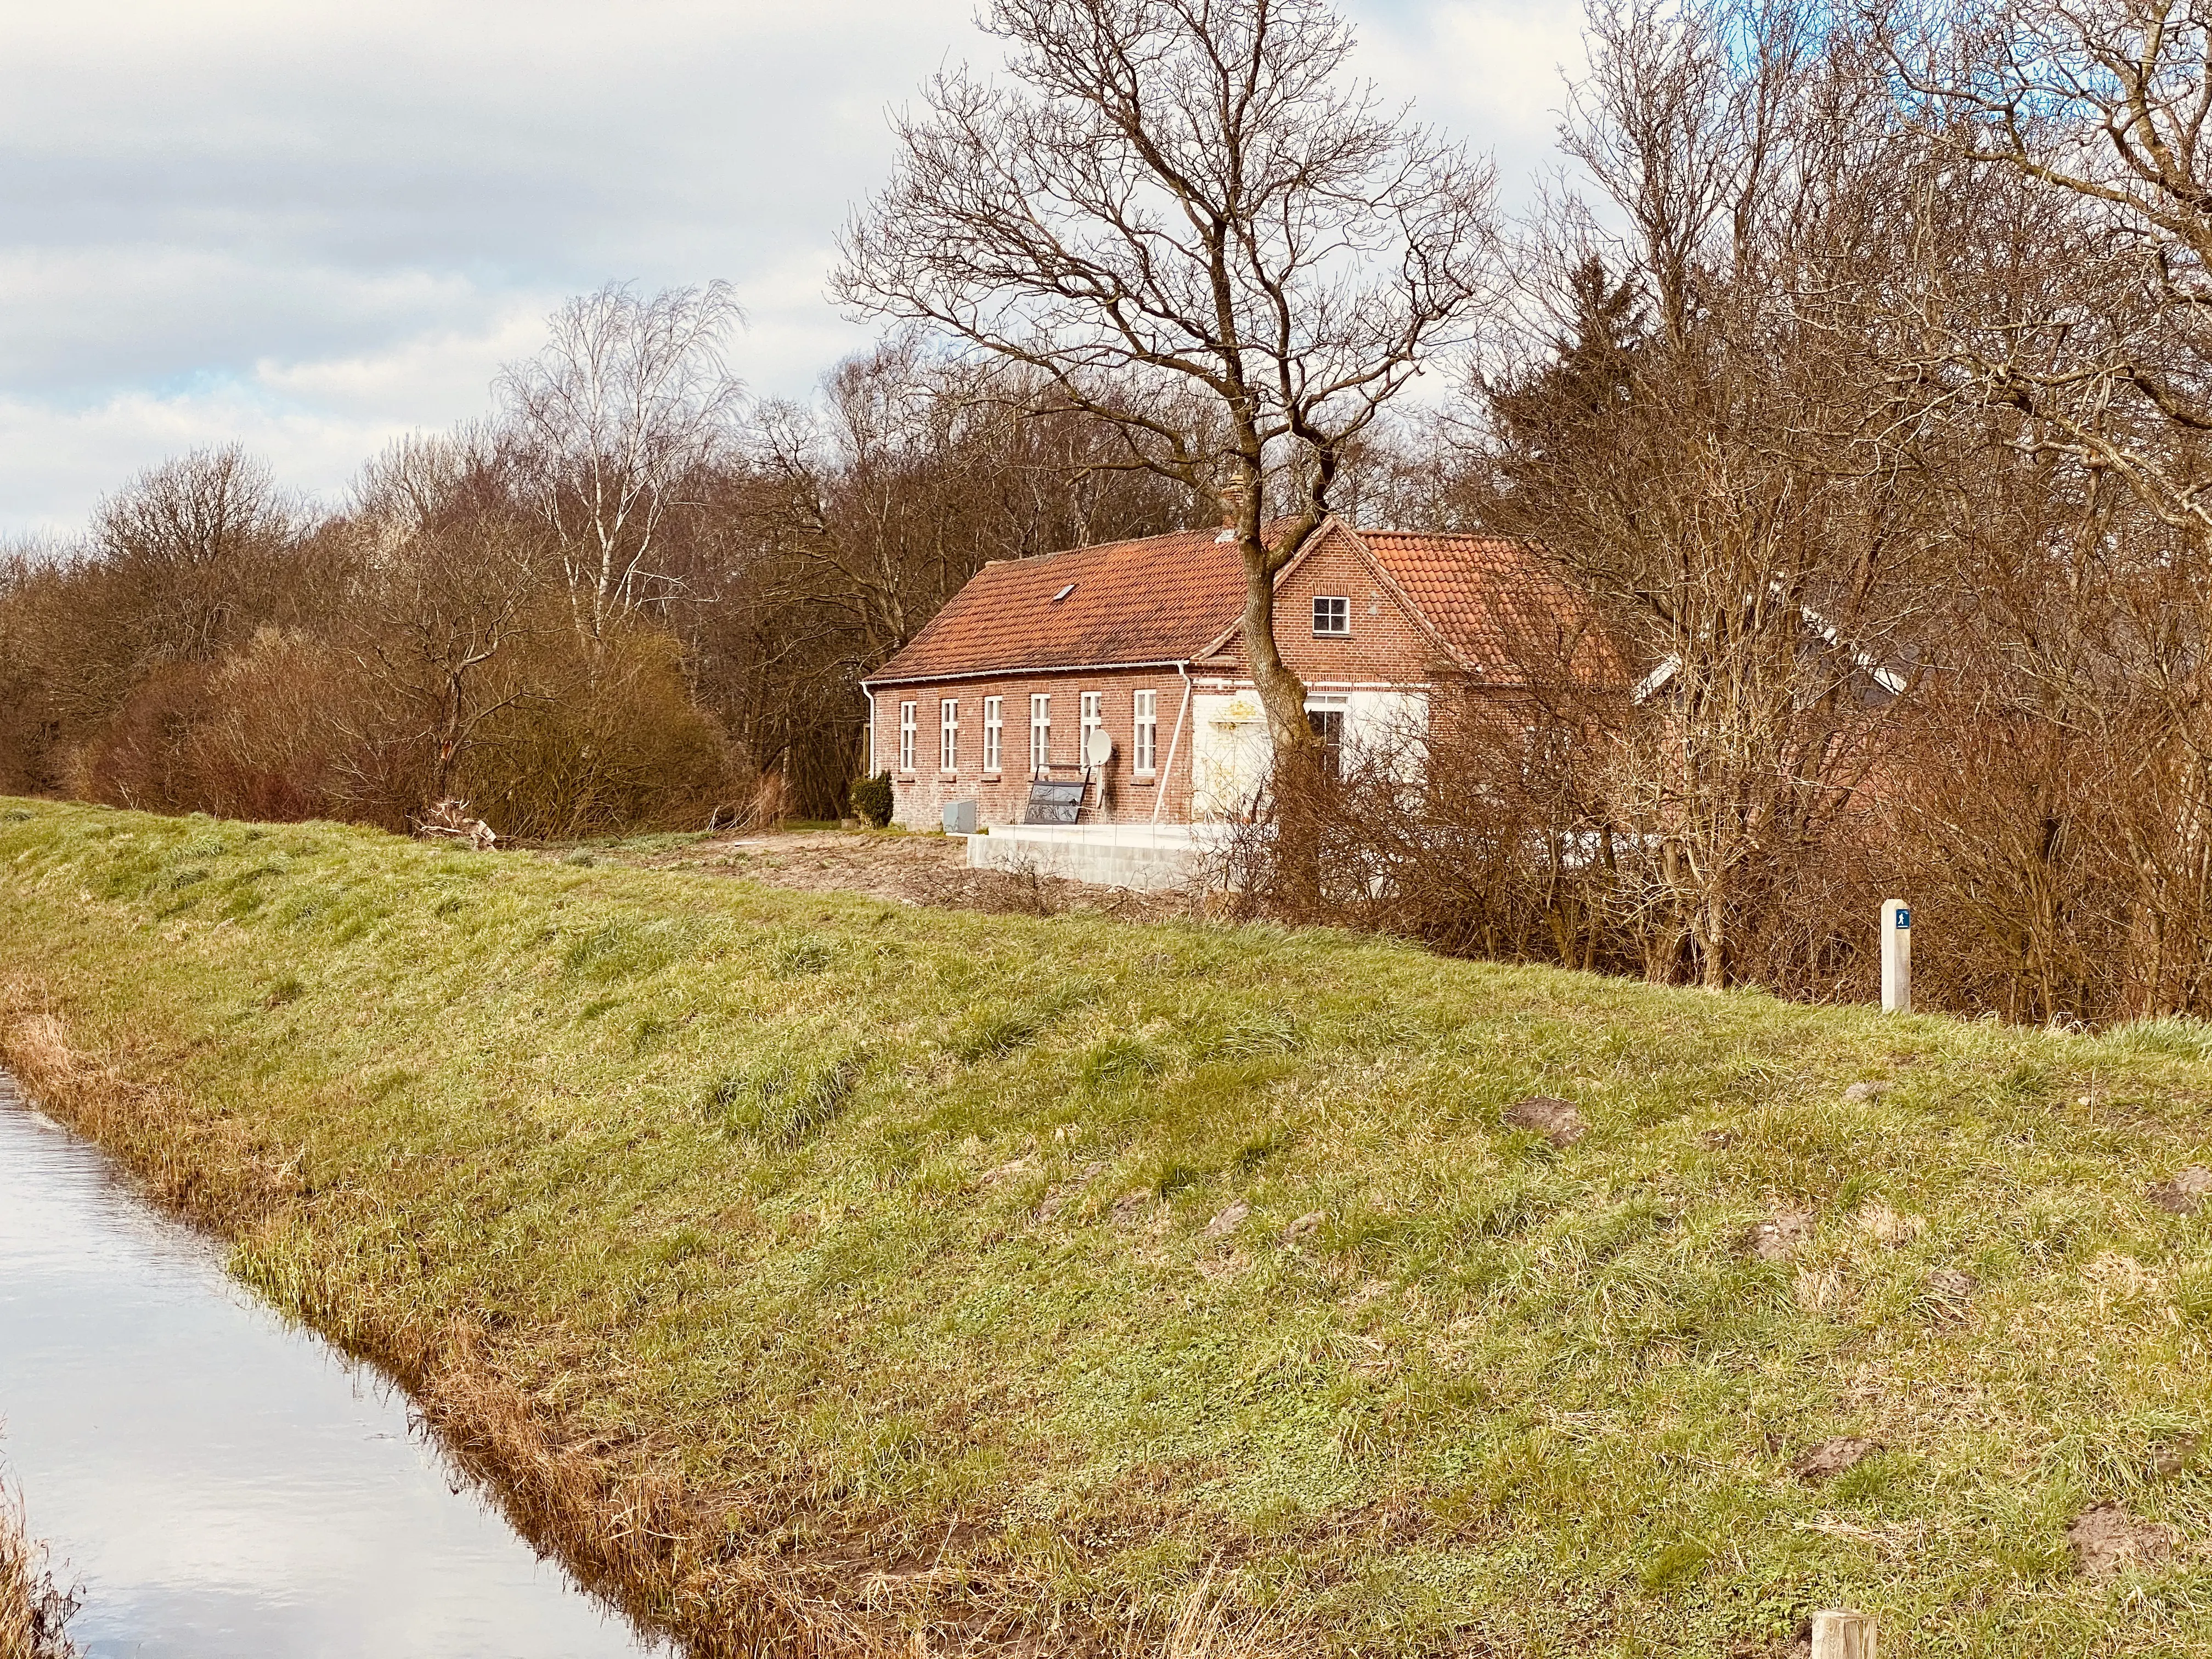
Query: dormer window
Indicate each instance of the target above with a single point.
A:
(1063, 593)
(1332, 618)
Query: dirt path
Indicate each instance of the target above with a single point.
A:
(923, 870)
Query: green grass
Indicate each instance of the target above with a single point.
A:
(784, 1196)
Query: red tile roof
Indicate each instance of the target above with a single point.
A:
(1497, 603)
(1157, 600)
(1492, 602)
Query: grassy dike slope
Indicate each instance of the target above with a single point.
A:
(812, 1265)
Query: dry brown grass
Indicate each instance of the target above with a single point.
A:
(925, 870)
(34, 1611)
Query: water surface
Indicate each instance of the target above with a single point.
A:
(221, 1483)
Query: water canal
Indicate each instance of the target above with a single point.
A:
(218, 1481)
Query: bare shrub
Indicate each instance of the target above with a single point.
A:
(618, 745)
(1487, 838)
(268, 738)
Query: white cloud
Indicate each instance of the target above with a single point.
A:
(309, 225)
(56, 463)
(1490, 71)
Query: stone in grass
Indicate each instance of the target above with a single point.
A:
(1773, 1239)
(1832, 1458)
(2107, 1541)
(1950, 1290)
(1304, 1227)
(1229, 1220)
(1554, 1119)
(2173, 1457)
(2185, 1194)
(1130, 1207)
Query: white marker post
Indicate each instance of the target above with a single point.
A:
(1896, 957)
(1840, 1634)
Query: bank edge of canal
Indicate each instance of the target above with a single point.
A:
(35, 1609)
(211, 1477)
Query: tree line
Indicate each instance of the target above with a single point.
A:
(1856, 369)
(626, 598)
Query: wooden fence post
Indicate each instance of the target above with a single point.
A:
(1842, 1635)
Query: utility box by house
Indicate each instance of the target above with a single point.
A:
(960, 818)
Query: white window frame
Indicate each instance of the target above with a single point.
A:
(1341, 608)
(994, 727)
(1144, 738)
(1040, 733)
(1091, 707)
(1339, 704)
(948, 735)
(906, 737)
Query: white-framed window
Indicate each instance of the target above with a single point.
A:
(1092, 707)
(1325, 712)
(906, 737)
(1145, 740)
(994, 727)
(1332, 615)
(1040, 733)
(948, 735)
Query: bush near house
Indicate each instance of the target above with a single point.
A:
(811, 1265)
(871, 800)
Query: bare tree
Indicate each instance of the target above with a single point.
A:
(188, 539)
(1183, 218)
(2101, 106)
(852, 520)
(629, 401)
(2066, 291)
(1714, 449)
(452, 588)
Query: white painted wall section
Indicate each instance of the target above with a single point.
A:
(1231, 757)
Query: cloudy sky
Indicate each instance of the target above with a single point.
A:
(310, 225)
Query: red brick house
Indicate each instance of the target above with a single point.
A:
(1390, 629)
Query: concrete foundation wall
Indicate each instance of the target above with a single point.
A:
(1109, 855)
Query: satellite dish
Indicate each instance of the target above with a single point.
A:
(1097, 748)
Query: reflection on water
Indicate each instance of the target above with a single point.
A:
(221, 1483)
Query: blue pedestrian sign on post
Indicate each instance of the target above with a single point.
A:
(1896, 957)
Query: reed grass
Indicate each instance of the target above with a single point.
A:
(34, 1611)
(821, 1275)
